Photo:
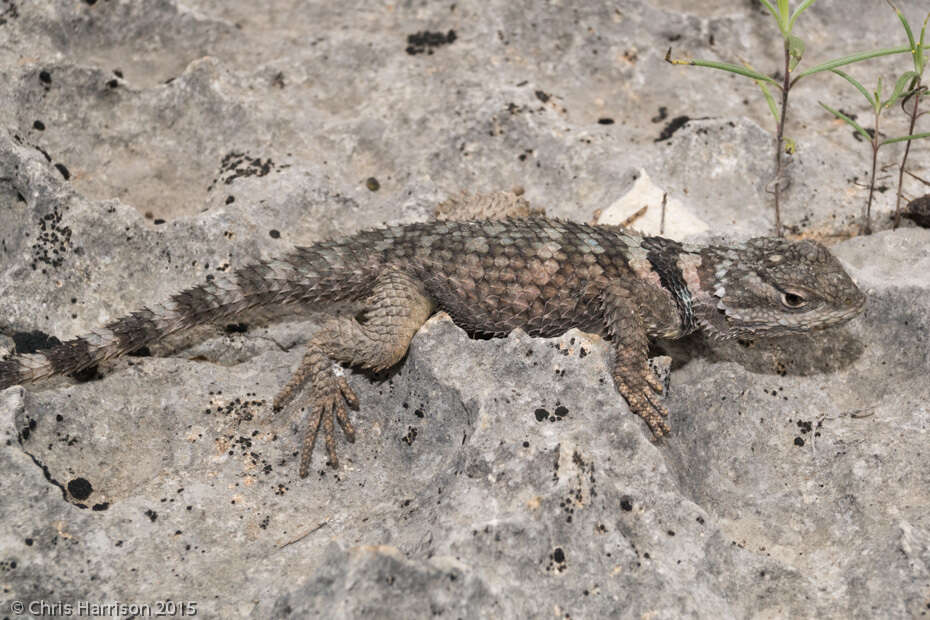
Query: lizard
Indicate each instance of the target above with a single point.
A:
(491, 276)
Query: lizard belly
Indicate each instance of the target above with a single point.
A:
(499, 314)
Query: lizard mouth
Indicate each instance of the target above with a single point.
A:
(760, 324)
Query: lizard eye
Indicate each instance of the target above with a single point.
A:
(793, 300)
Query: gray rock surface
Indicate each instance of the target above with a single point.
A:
(146, 146)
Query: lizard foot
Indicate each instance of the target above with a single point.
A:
(327, 400)
(328, 397)
(643, 395)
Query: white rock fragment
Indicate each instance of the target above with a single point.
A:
(679, 221)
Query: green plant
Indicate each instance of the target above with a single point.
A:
(793, 52)
(873, 137)
(912, 98)
(906, 88)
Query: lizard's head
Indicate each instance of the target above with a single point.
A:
(770, 287)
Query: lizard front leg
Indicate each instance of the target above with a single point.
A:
(626, 308)
(393, 312)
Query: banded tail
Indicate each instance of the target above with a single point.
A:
(327, 272)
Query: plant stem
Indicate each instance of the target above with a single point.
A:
(866, 227)
(780, 140)
(907, 149)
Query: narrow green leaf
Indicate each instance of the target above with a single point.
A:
(723, 66)
(798, 11)
(848, 120)
(858, 86)
(783, 11)
(846, 60)
(923, 30)
(907, 26)
(769, 99)
(916, 136)
(905, 78)
(922, 60)
(795, 51)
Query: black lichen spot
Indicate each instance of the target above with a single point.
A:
(543, 415)
(372, 184)
(236, 328)
(151, 514)
(661, 116)
(113, 83)
(38, 126)
(556, 561)
(238, 165)
(80, 488)
(100, 507)
(28, 542)
(605, 121)
(626, 503)
(26, 431)
(45, 77)
(674, 125)
(411, 435)
(426, 41)
(798, 441)
(63, 170)
(543, 96)
(118, 73)
(274, 234)
(90, 2)
(230, 200)
(158, 221)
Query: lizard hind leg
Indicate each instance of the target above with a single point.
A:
(394, 311)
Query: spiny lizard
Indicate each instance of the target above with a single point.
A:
(492, 276)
